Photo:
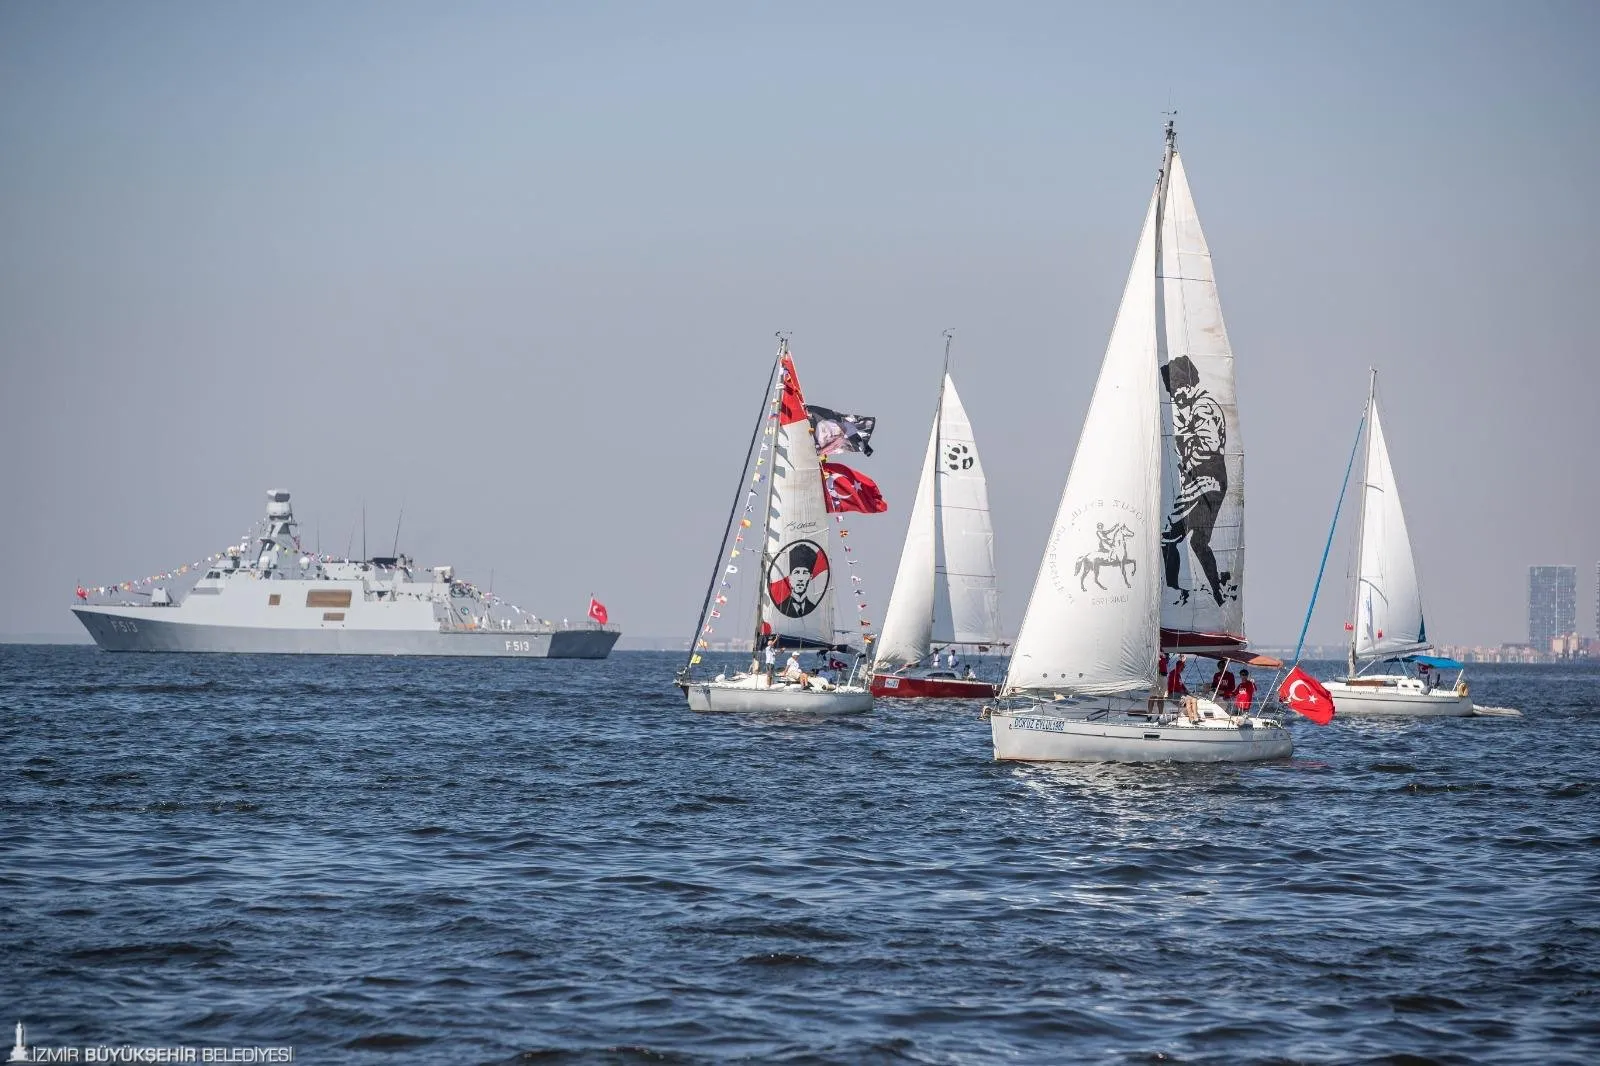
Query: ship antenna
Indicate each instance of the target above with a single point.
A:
(395, 551)
(363, 530)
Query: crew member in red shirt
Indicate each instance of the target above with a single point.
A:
(1226, 687)
(1246, 693)
(1175, 685)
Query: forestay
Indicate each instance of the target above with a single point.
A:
(1203, 454)
(1092, 624)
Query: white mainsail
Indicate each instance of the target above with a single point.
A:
(945, 590)
(797, 586)
(907, 633)
(1203, 460)
(1092, 625)
(1388, 601)
(969, 611)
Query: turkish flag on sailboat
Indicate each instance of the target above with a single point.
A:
(597, 611)
(1305, 694)
(850, 490)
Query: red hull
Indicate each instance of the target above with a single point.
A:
(912, 687)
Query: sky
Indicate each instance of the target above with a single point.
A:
(516, 269)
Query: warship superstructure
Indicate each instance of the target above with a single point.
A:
(271, 596)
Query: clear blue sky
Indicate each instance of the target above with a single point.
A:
(517, 267)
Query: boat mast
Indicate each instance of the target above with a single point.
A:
(1361, 520)
(936, 512)
(1161, 213)
(733, 512)
(766, 511)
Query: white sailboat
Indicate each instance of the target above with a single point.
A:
(1389, 631)
(792, 589)
(945, 593)
(1151, 515)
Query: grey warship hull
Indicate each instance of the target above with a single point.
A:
(271, 596)
(137, 629)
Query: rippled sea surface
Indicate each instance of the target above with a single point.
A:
(480, 862)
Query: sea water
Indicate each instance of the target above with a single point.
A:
(511, 861)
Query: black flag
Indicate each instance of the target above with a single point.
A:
(841, 433)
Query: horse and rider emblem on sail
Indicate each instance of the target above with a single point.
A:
(1110, 551)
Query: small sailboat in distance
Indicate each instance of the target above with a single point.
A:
(1388, 629)
(789, 589)
(1148, 483)
(944, 593)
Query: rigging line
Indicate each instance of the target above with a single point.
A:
(733, 512)
(1301, 643)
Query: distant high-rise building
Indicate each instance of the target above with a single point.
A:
(1552, 603)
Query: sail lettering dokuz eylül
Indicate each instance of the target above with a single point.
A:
(788, 584)
(945, 591)
(1146, 550)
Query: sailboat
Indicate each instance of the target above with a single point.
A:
(944, 592)
(1146, 552)
(1389, 633)
(790, 594)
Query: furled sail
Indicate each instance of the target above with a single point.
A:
(1388, 600)
(1092, 625)
(945, 591)
(797, 586)
(1202, 542)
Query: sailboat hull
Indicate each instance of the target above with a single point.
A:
(1040, 736)
(914, 686)
(1372, 696)
(737, 698)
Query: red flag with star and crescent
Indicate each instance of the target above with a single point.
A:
(851, 490)
(597, 611)
(1305, 694)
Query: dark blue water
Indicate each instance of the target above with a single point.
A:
(464, 862)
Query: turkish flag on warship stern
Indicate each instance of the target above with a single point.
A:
(1305, 694)
(597, 611)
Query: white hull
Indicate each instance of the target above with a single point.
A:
(1042, 735)
(1404, 698)
(742, 697)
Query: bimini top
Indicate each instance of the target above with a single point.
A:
(1438, 662)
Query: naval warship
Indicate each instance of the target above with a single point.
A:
(268, 595)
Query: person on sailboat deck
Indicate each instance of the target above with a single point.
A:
(1222, 683)
(769, 656)
(952, 659)
(1245, 695)
(1175, 685)
(1158, 694)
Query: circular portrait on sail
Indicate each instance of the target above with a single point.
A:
(798, 578)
